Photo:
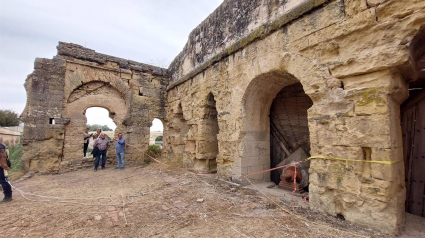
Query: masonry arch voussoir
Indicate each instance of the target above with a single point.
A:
(79, 75)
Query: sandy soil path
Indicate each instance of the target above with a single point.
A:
(155, 201)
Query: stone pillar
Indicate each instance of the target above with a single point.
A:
(44, 126)
(368, 194)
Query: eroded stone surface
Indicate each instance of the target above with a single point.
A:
(62, 89)
(353, 59)
(348, 55)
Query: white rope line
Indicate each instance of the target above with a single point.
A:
(25, 194)
(86, 204)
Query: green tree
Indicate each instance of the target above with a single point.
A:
(159, 138)
(106, 128)
(94, 127)
(8, 118)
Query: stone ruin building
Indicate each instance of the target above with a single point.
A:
(337, 78)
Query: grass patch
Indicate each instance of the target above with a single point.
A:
(15, 156)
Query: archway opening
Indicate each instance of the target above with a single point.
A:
(156, 133)
(99, 118)
(275, 127)
(99, 105)
(290, 136)
(413, 129)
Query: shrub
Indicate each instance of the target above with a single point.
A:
(154, 151)
(15, 156)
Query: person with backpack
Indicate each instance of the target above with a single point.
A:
(5, 166)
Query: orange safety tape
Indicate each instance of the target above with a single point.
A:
(267, 170)
(245, 176)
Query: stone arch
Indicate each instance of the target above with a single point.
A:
(93, 94)
(255, 131)
(79, 76)
(60, 89)
(157, 137)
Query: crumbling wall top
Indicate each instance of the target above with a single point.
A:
(74, 51)
(230, 27)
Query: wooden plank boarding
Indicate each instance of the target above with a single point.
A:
(413, 129)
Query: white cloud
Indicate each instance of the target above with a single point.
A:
(148, 31)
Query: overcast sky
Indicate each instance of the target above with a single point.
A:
(147, 31)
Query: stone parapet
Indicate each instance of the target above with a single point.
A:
(232, 26)
(74, 51)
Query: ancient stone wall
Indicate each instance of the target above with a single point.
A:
(350, 57)
(353, 58)
(59, 92)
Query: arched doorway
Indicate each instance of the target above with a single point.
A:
(289, 133)
(99, 118)
(275, 112)
(156, 133)
(75, 109)
(413, 130)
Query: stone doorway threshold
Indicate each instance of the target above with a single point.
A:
(415, 227)
(282, 194)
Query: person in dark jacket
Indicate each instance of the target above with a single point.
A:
(7, 189)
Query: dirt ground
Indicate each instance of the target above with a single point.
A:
(156, 201)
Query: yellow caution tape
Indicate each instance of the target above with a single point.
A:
(353, 160)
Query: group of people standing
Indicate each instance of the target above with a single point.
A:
(101, 146)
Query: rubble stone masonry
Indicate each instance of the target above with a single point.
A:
(61, 89)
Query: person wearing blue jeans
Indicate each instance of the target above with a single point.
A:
(120, 150)
(102, 144)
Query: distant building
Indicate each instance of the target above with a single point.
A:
(11, 135)
(155, 138)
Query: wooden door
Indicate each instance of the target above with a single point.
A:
(413, 128)
(288, 125)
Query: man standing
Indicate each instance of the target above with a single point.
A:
(7, 189)
(103, 144)
(120, 150)
(86, 140)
